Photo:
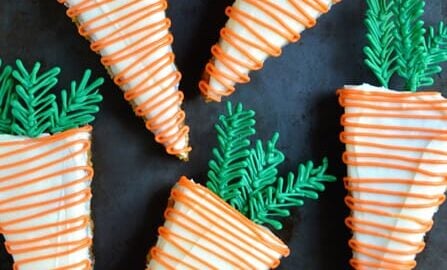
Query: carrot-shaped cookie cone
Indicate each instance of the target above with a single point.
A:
(224, 226)
(256, 29)
(395, 141)
(45, 178)
(204, 232)
(45, 199)
(134, 42)
(397, 166)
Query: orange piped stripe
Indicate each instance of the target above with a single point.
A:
(161, 84)
(391, 105)
(239, 254)
(84, 265)
(43, 207)
(245, 46)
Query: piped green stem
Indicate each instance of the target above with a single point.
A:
(29, 108)
(399, 43)
(247, 177)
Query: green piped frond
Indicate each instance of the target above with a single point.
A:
(261, 171)
(78, 106)
(6, 94)
(436, 53)
(247, 178)
(380, 56)
(230, 157)
(409, 40)
(28, 107)
(275, 201)
(399, 43)
(33, 106)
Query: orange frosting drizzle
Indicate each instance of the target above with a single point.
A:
(32, 178)
(186, 193)
(246, 46)
(168, 129)
(391, 105)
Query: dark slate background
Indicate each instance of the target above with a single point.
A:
(293, 94)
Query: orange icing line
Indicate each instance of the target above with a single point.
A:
(168, 130)
(169, 236)
(345, 134)
(68, 201)
(245, 46)
(373, 103)
(231, 226)
(84, 264)
(243, 263)
(346, 139)
(159, 255)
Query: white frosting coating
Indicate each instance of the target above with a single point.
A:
(272, 37)
(79, 209)
(239, 242)
(134, 61)
(437, 144)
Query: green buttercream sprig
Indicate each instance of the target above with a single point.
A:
(436, 50)
(275, 201)
(230, 157)
(78, 106)
(260, 173)
(29, 108)
(380, 53)
(399, 43)
(33, 106)
(6, 95)
(247, 177)
(409, 40)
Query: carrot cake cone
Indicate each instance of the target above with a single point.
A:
(228, 225)
(204, 232)
(256, 29)
(395, 141)
(134, 42)
(397, 168)
(45, 169)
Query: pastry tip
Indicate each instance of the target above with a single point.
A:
(184, 156)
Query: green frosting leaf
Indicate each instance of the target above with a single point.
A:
(261, 171)
(380, 55)
(248, 178)
(275, 201)
(79, 106)
(227, 167)
(409, 40)
(6, 95)
(29, 108)
(398, 41)
(33, 107)
(436, 53)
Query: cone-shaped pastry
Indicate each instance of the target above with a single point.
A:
(135, 44)
(256, 29)
(395, 141)
(397, 162)
(204, 232)
(45, 178)
(221, 227)
(45, 200)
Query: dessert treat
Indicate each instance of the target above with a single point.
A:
(134, 42)
(395, 152)
(45, 169)
(225, 226)
(256, 29)
(204, 232)
(395, 141)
